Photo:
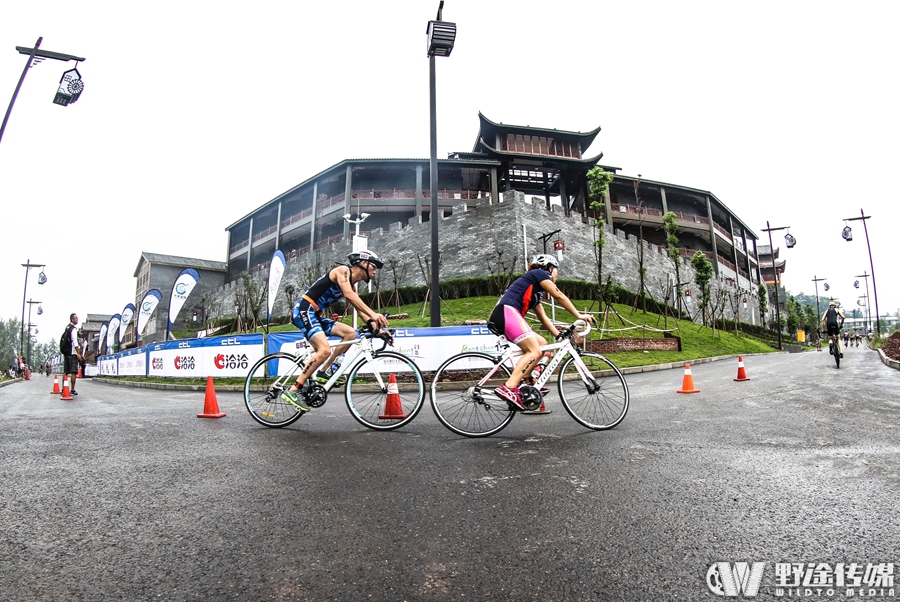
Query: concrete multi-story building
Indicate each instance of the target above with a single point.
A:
(547, 164)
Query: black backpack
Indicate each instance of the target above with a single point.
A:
(65, 341)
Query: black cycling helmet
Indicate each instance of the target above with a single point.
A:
(361, 256)
(545, 261)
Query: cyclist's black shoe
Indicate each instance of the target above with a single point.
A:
(842, 355)
(830, 349)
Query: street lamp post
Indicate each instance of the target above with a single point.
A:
(817, 281)
(790, 241)
(359, 244)
(868, 311)
(28, 356)
(41, 280)
(441, 36)
(73, 86)
(848, 238)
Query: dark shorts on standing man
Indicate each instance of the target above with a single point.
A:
(70, 364)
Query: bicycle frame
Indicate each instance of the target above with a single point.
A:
(563, 350)
(359, 347)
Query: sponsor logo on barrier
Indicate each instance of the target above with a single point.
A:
(184, 345)
(156, 364)
(185, 362)
(480, 330)
(403, 332)
(412, 351)
(231, 341)
(231, 361)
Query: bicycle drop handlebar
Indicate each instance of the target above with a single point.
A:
(369, 331)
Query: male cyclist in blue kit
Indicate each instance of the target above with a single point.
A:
(308, 315)
(508, 318)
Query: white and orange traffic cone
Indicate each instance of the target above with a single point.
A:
(55, 390)
(687, 385)
(742, 374)
(66, 394)
(393, 407)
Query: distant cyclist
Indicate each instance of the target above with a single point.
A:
(308, 315)
(832, 321)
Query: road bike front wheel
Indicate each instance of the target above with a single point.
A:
(387, 407)
(461, 397)
(262, 392)
(602, 402)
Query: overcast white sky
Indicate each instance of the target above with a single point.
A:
(194, 113)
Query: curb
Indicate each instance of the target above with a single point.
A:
(888, 361)
(165, 386)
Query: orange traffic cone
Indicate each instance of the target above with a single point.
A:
(66, 395)
(688, 384)
(742, 374)
(79, 372)
(210, 404)
(393, 409)
(55, 390)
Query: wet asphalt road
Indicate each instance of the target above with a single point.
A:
(124, 494)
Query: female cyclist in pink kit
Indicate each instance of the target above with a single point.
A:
(508, 318)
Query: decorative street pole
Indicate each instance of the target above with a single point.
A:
(41, 280)
(70, 86)
(817, 281)
(848, 237)
(790, 241)
(441, 36)
(868, 307)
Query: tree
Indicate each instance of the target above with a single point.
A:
(670, 225)
(763, 303)
(642, 269)
(10, 331)
(598, 185)
(703, 274)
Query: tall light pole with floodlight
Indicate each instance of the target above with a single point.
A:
(441, 36)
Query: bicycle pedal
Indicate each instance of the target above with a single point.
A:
(531, 397)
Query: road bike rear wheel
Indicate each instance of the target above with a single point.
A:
(388, 407)
(837, 354)
(462, 404)
(262, 392)
(600, 404)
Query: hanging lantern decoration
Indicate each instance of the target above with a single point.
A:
(42, 278)
(789, 240)
(687, 296)
(745, 302)
(856, 284)
(70, 88)
(559, 246)
(40, 310)
(826, 287)
(847, 233)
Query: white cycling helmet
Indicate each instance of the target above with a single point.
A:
(545, 261)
